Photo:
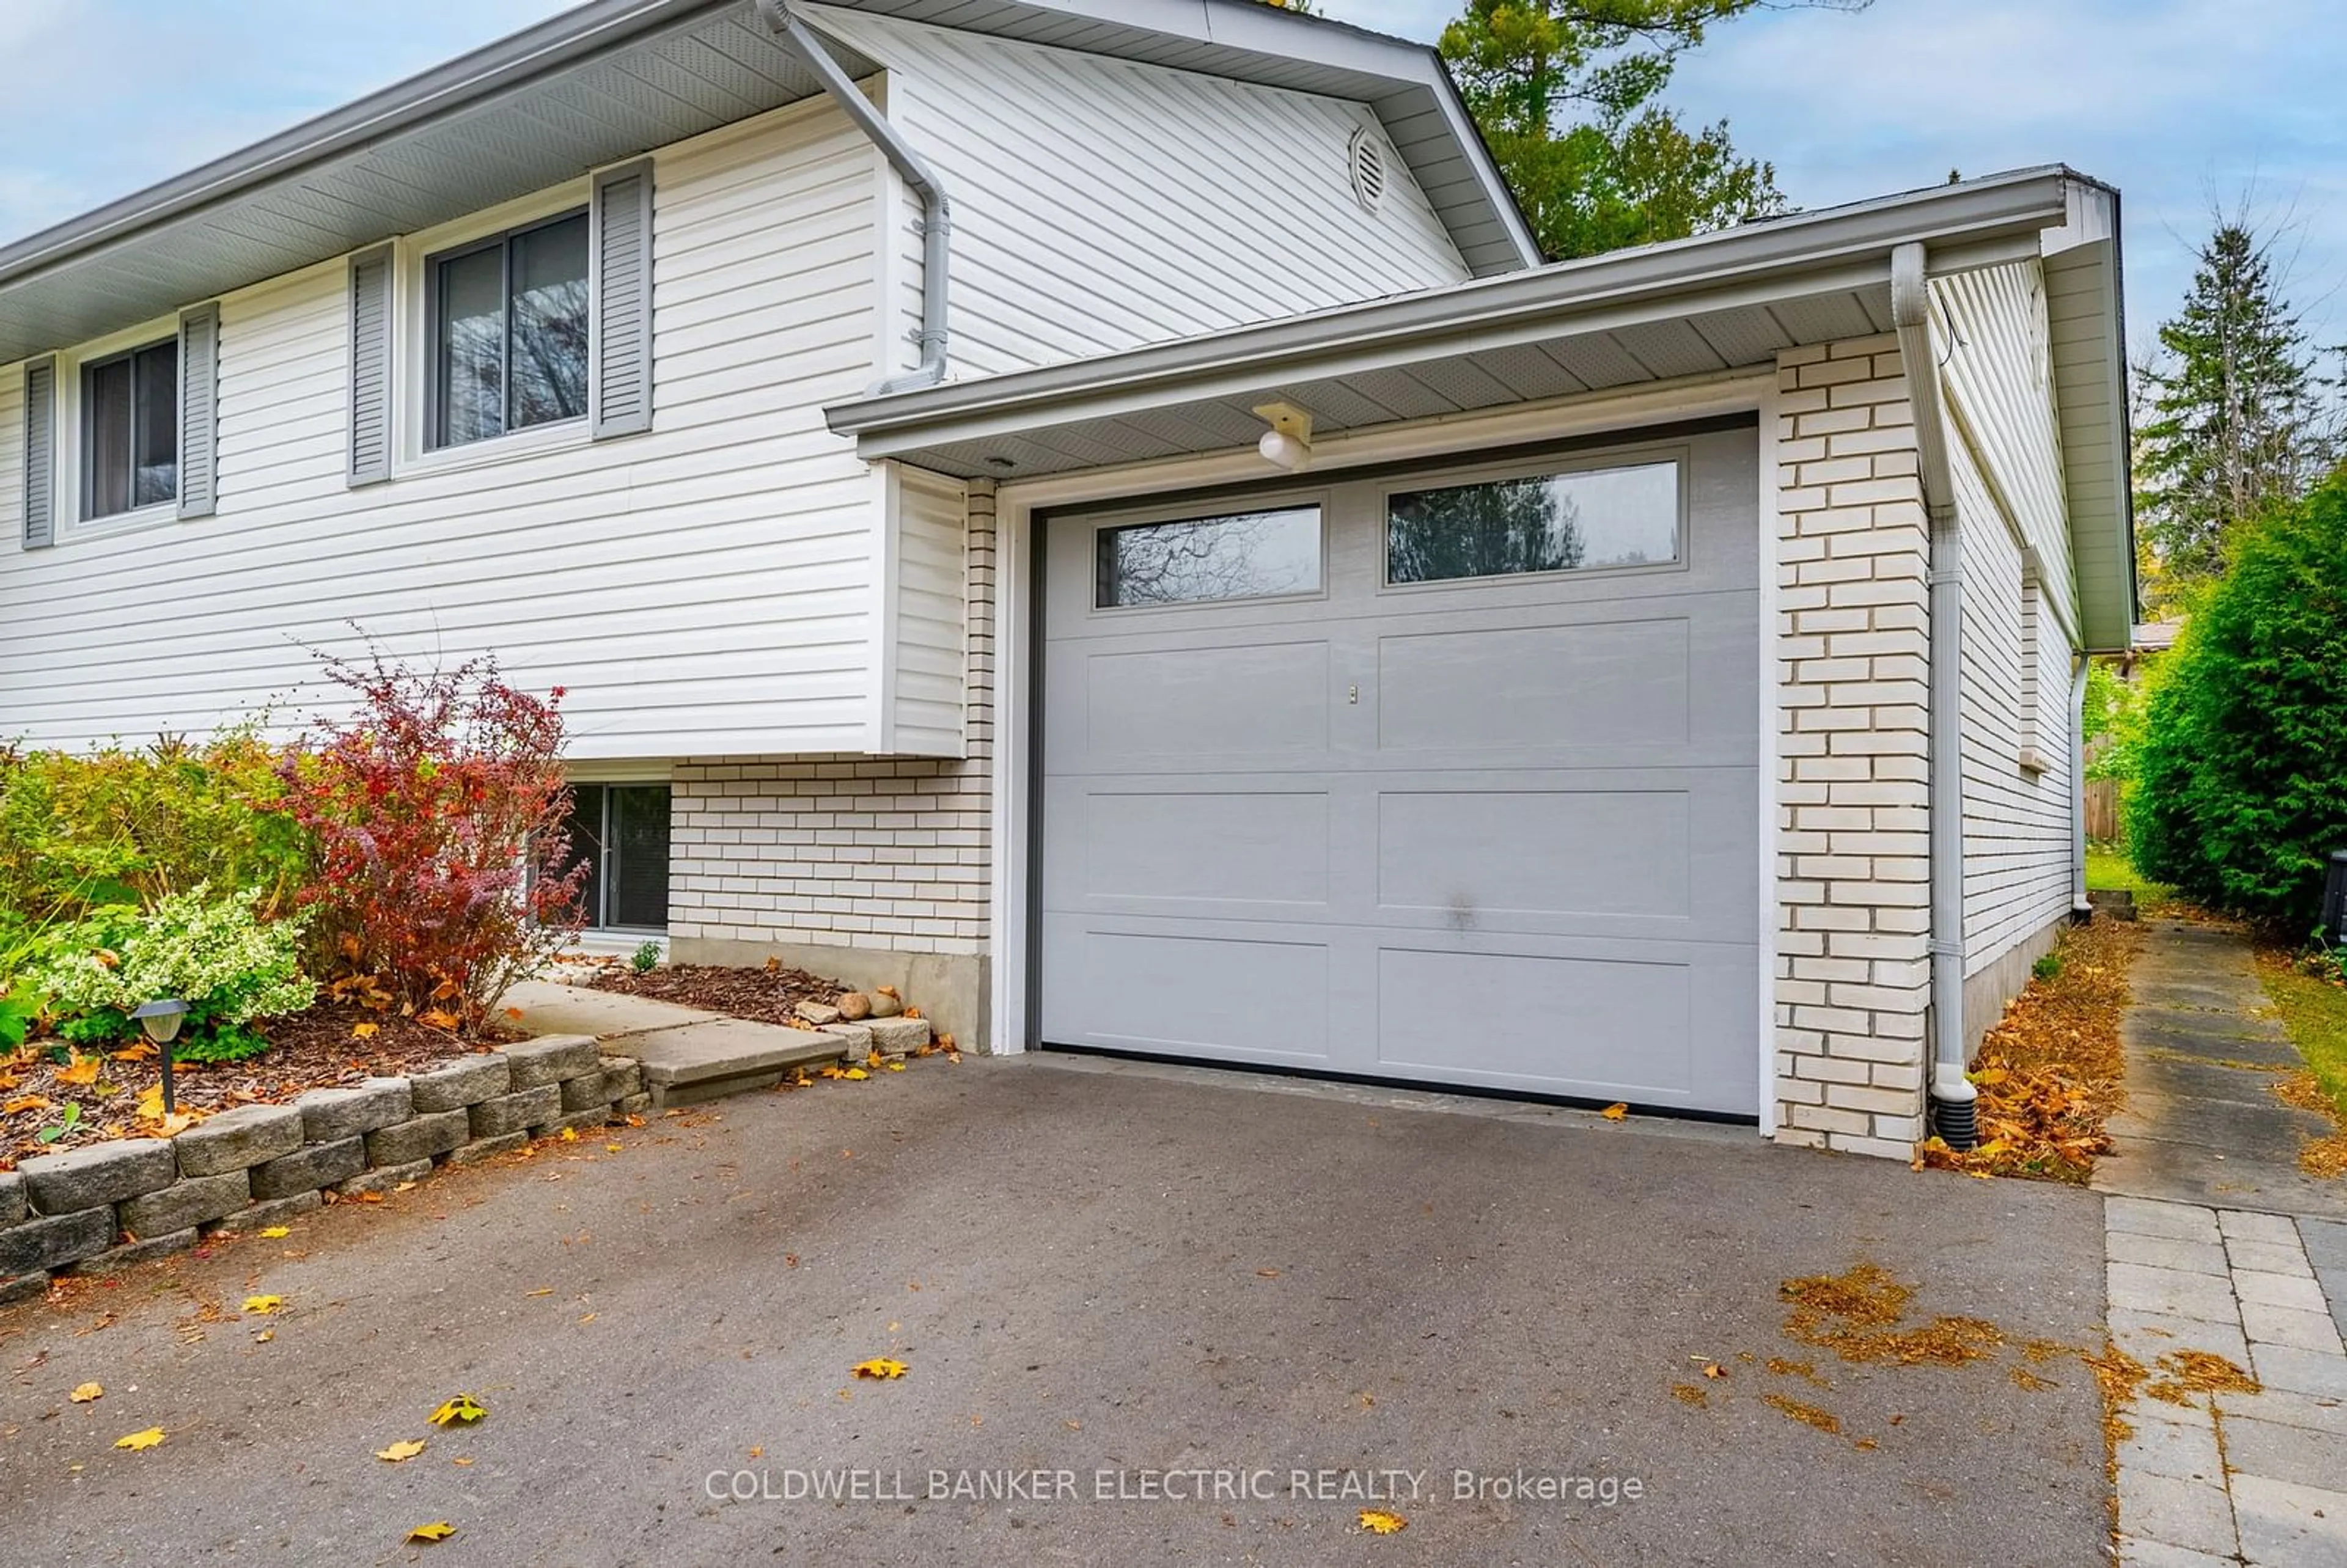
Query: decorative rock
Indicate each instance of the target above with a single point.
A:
(331, 1116)
(516, 1111)
(817, 1013)
(552, 1058)
(633, 1105)
(384, 1178)
(481, 1149)
(858, 1037)
(12, 1207)
(238, 1140)
(44, 1244)
(886, 1002)
(143, 1251)
(308, 1169)
(185, 1205)
(855, 1006)
(897, 1036)
(95, 1176)
(405, 1143)
(259, 1217)
(24, 1287)
(457, 1084)
(589, 1093)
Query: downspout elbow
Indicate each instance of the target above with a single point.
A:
(937, 211)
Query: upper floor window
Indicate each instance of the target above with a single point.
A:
(130, 429)
(508, 326)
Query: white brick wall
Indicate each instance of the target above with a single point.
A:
(1854, 851)
(882, 852)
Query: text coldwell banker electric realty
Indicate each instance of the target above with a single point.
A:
(1201, 1485)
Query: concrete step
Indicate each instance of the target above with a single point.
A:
(689, 1054)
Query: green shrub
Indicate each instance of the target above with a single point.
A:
(79, 832)
(647, 957)
(215, 954)
(2241, 786)
(2047, 965)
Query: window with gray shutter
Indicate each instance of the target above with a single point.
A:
(371, 367)
(198, 410)
(41, 454)
(623, 299)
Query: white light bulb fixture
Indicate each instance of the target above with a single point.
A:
(1288, 443)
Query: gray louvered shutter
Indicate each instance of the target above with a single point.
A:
(623, 299)
(199, 410)
(41, 454)
(371, 366)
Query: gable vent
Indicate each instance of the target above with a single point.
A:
(1366, 160)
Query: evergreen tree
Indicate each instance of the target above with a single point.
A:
(1564, 92)
(2233, 419)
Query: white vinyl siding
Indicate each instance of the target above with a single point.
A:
(709, 587)
(1100, 204)
(929, 585)
(2017, 832)
(2016, 683)
(12, 479)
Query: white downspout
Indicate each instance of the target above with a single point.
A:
(936, 215)
(2081, 906)
(1951, 1092)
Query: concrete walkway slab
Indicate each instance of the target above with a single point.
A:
(690, 1055)
(551, 1007)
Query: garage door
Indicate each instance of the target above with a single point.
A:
(1442, 776)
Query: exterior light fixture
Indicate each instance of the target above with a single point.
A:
(1288, 443)
(162, 1018)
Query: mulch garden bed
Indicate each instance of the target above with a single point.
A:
(2050, 1074)
(767, 995)
(316, 1048)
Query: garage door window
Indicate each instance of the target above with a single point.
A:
(1579, 522)
(1242, 555)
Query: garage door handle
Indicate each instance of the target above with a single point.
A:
(1353, 695)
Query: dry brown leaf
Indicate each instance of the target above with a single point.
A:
(81, 1072)
(1614, 1113)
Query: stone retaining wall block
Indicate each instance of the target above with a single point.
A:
(384, 1178)
(259, 1217)
(98, 1175)
(24, 1287)
(405, 1142)
(185, 1203)
(488, 1148)
(597, 1118)
(142, 1251)
(331, 1115)
(52, 1242)
(238, 1140)
(306, 1170)
(454, 1085)
(513, 1112)
(899, 1036)
(633, 1105)
(551, 1059)
(12, 1207)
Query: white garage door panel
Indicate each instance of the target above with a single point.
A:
(1500, 832)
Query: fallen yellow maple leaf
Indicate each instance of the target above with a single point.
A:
(462, 1408)
(270, 1232)
(402, 1451)
(262, 1306)
(137, 1052)
(896, 1067)
(610, 1148)
(880, 1369)
(855, 1074)
(1615, 1111)
(86, 1392)
(437, 1019)
(1377, 1522)
(136, 1441)
(570, 1134)
(364, 1031)
(439, 1530)
(82, 1069)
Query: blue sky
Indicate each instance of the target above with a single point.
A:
(2181, 103)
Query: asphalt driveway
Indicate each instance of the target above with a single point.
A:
(1134, 1282)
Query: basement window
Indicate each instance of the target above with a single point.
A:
(621, 832)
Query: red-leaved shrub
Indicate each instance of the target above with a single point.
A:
(436, 806)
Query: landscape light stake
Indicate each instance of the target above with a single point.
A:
(160, 1019)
